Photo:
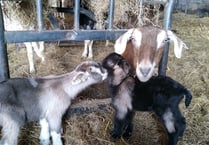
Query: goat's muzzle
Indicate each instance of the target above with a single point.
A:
(144, 72)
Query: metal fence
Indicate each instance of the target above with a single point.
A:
(75, 34)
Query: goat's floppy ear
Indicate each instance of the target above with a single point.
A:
(79, 78)
(178, 43)
(121, 42)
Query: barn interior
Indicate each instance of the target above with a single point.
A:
(93, 127)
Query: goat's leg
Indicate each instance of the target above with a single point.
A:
(169, 121)
(41, 46)
(180, 122)
(117, 131)
(172, 138)
(85, 51)
(55, 130)
(10, 131)
(180, 125)
(56, 138)
(120, 123)
(38, 51)
(29, 49)
(44, 135)
(90, 44)
(129, 127)
(107, 43)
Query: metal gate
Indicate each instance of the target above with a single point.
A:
(75, 34)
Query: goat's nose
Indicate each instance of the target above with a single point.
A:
(145, 71)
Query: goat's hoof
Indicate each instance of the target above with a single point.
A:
(90, 56)
(115, 134)
(127, 134)
(128, 131)
(84, 55)
(32, 71)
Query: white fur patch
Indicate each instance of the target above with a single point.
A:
(56, 138)
(44, 135)
(4, 143)
(169, 121)
(121, 42)
(123, 104)
(98, 70)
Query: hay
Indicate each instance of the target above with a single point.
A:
(124, 12)
(24, 12)
(192, 71)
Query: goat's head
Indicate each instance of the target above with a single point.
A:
(142, 47)
(117, 67)
(90, 72)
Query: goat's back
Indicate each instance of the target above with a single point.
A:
(21, 93)
(161, 89)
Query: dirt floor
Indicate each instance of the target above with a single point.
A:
(93, 128)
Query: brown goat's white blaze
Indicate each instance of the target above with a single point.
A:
(142, 47)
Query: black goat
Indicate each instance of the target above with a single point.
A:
(160, 94)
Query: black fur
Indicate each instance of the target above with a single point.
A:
(160, 94)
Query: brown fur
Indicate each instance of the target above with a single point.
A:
(142, 48)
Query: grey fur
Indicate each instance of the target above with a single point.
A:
(24, 100)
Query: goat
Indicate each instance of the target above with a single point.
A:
(142, 47)
(45, 99)
(13, 22)
(87, 24)
(161, 94)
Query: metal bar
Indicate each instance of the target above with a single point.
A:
(167, 21)
(156, 1)
(4, 67)
(111, 13)
(76, 14)
(39, 14)
(61, 35)
(140, 22)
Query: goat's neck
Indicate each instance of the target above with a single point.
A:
(117, 83)
(73, 89)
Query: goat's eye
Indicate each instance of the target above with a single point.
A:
(110, 63)
(166, 40)
(90, 69)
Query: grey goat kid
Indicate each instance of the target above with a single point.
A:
(160, 94)
(43, 99)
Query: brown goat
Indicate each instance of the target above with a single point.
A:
(142, 47)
